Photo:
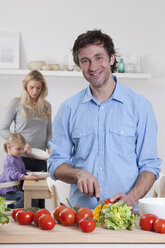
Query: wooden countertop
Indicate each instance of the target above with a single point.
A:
(14, 233)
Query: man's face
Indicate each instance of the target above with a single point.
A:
(95, 65)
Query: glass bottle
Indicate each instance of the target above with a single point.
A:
(139, 64)
(121, 66)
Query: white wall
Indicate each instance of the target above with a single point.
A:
(48, 29)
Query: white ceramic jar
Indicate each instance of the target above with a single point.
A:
(36, 65)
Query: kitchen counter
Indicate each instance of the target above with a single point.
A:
(14, 233)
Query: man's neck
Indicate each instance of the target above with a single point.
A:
(105, 92)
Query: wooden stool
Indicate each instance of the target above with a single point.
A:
(159, 190)
(35, 190)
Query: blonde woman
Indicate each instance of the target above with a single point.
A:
(31, 114)
(14, 168)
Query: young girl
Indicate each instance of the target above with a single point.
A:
(14, 168)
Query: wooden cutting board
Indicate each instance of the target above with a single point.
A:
(14, 233)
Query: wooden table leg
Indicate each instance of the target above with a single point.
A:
(54, 197)
(155, 194)
(163, 191)
(27, 199)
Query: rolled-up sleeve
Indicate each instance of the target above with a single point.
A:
(60, 144)
(146, 148)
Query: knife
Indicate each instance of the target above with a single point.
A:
(98, 198)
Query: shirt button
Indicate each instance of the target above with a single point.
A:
(80, 134)
(101, 127)
(122, 132)
(102, 107)
(101, 168)
(101, 147)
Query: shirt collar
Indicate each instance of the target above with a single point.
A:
(117, 95)
(88, 95)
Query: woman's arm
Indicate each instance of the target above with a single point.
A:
(49, 128)
(8, 119)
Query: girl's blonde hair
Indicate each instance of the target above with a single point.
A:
(13, 139)
(42, 108)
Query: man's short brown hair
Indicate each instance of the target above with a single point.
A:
(98, 38)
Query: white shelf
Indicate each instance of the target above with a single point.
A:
(73, 74)
(133, 75)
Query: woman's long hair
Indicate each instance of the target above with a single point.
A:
(42, 107)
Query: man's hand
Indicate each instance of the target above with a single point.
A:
(87, 183)
(142, 185)
(121, 197)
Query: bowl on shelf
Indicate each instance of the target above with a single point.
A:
(152, 206)
(36, 65)
(55, 67)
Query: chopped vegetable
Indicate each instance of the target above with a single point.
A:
(97, 210)
(2, 204)
(117, 216)
(3, 218)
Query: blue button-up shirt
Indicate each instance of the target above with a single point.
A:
(115, 140)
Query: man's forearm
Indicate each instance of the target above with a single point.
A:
(86, 182)
(66, 173)
(142, 185)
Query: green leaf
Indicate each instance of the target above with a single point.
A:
(3, 219)
(2, 204)
(7, 209)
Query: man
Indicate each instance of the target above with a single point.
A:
(104, 137)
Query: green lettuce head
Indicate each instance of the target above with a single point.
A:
(3, 218)
(117, 216)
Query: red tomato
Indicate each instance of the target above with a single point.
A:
(67, 217)
(83, 213)
(147, 222)
(87, 225)
(107, 201)
(57, 211)
(159, 225)
(46, 222)
(24, 217)
(15, 211)
(39, 213)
